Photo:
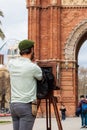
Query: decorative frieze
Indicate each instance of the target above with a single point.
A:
(53, 2)
(32, 2)
(74, 2)
(67, 65)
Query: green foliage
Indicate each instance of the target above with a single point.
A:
(2, 35)
(5, 122)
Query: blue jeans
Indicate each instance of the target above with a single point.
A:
(84, 119)
(22, 116)
(63, 116)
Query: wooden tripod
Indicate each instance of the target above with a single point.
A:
(51, 99)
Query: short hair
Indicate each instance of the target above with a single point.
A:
(81, 96)
(27, 51)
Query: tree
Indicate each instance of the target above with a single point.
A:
(82, 81)
(2, 35)
(4, 87)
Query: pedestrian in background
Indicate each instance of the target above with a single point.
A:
(63, 112)
(23, 75)
(83, 106)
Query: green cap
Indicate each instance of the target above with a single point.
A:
(25, 44)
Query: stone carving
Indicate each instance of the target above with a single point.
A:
(73, 40)
(54, 2)
(32, 2)
(74, 2)
(67, 19)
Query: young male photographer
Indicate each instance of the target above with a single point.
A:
(23, 75)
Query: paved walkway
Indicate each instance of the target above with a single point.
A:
(40, 124)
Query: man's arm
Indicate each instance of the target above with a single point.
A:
(37, 72)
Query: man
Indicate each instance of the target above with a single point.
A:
(63, 111)
(83, 106)
(23, 75)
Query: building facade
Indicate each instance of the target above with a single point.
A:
(59, 29)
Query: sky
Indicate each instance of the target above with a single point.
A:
(82, 56)
(15, 25)
(14, 22)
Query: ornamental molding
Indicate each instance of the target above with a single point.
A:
(54, 2)
(73, 40)
(74, 2)
(32, 2)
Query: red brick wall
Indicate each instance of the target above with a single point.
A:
(70, 18)
(50, 27)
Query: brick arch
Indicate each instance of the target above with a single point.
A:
(73, 40)
(52, 49)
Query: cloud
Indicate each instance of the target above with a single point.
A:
(14, 23)
(82, 56)
(17, 31)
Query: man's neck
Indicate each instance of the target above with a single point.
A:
(26, 56)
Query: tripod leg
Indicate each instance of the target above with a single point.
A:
(56, 113)
(48, 114)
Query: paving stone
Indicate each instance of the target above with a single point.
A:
(73, 123)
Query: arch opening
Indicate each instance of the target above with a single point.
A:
(82, 70)
(73, 46)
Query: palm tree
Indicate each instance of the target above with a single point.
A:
(2, 36)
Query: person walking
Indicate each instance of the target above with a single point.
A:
(63, 111)
(23, 76)
(83, 106)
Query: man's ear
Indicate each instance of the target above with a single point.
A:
(32, 53)
(32, 49)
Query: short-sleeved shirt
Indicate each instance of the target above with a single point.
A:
(23, 75)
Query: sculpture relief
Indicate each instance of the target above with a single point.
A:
(74, 2)
(54, 1)
(33, 2)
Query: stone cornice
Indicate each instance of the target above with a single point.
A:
(43, 7)
(57, 6)
(74, 6)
